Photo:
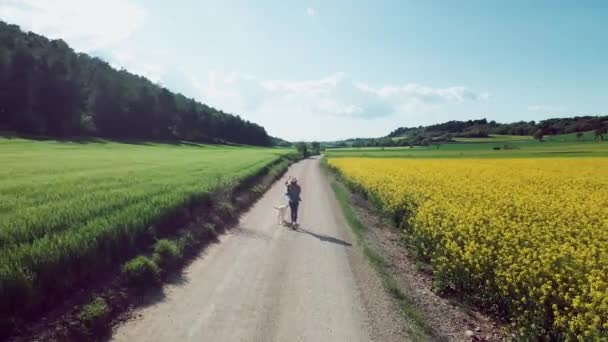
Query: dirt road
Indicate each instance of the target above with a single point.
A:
(266, 282)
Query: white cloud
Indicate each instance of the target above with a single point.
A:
(288, 108)
(85, 24)
(546, 109)
(310, 11)
(335, 95)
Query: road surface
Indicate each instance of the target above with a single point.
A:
(266, 282)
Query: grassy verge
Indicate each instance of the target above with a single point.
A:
(175, 243)
(484, 149)
(416, 323)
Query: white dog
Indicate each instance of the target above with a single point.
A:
(281, 211)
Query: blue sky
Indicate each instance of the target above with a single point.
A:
(337, 69)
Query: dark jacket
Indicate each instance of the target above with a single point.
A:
(293, 193)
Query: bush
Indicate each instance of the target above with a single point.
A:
(302, 148)
(210, 227)
(225, 209)
(167, 253)
(188, 242)
(141, 271)
(95, 316)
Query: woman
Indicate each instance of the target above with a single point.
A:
(293, 193)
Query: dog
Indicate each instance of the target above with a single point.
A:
(281, 211)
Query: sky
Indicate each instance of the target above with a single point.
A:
(326, 70)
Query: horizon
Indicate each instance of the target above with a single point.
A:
(312, 71)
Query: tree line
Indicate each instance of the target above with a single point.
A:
(48, 89)
(483, 128)
(446, 131)
(308, 149)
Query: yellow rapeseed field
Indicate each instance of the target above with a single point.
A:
(527, 238)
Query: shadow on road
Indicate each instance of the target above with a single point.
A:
(322, 237)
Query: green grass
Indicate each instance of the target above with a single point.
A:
(141, 272)
(67, 209)
(167, 253)
(572, 137)
(521, 149)
(94, 316)
(416, 324)
(496, 138)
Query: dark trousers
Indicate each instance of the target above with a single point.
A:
(293, 206)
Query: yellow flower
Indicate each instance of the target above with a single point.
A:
(527, 235)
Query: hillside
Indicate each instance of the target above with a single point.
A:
(475, 131)
(48, 89)
(453, 130)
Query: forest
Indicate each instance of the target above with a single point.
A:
(483, 128)
(48, 89)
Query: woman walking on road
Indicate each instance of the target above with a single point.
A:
(293, 193)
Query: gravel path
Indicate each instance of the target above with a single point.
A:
(267, 282)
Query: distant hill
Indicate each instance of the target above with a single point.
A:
(48, 89)
(483, 130)
(357, 142)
